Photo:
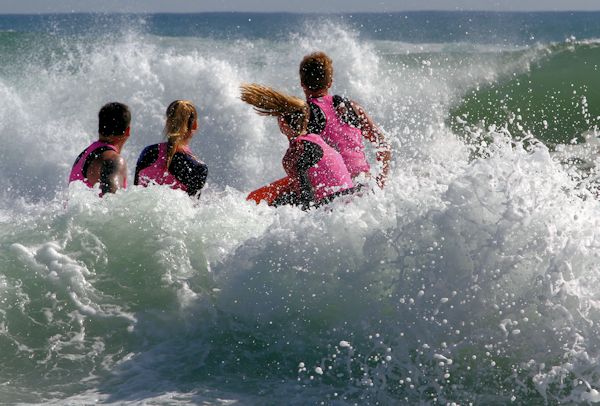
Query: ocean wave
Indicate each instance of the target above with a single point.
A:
(553, 99)
(469, 278)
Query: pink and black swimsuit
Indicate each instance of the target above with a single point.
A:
(82, 163)
(185, 172)
(317, 171)
(339, 131)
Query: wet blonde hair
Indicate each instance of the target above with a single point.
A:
(181, 115)
(270, 102)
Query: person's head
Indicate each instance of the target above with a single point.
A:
(316, 72)
(291, 111)
(182, 121)
(113, 120)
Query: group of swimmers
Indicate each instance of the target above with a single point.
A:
(325, 157)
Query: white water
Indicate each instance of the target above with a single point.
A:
(460, 280)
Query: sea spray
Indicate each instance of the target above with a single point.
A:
(471, 278)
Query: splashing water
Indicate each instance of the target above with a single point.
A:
(471, 278)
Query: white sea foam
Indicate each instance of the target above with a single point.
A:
(465, 271)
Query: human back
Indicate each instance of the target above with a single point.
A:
(101, 162)
(172, 162)
(341, 135)
(341, 122)
(329, 175)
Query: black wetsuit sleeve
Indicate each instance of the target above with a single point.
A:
(97, 153)
(316, 119)
(310, 156)
(346, 113)
(148, 156)
(190, 172)
(79, 157)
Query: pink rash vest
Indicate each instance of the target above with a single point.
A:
(345, 138)
(78, 166)
(328, 176)
(158, 172)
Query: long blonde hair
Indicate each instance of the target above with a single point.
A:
(181, 116)
(270, 102)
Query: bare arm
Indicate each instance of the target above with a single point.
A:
(374, 134)
(112, 173)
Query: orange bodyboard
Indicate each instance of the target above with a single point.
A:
(271, 191)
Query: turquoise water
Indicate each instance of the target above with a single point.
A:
(471, 278)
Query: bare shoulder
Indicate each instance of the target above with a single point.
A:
(112, 157)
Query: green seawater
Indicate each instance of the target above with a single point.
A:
(557, 100)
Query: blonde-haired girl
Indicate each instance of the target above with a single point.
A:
(172, 162)
(316, 171)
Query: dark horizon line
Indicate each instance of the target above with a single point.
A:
(302, 13)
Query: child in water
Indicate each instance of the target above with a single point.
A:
(101, 162)
(172, 162)
(342, 123)
(317, 171)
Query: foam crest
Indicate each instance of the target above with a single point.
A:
(437, 266)
(470, 278)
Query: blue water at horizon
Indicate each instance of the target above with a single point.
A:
(510, 28)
